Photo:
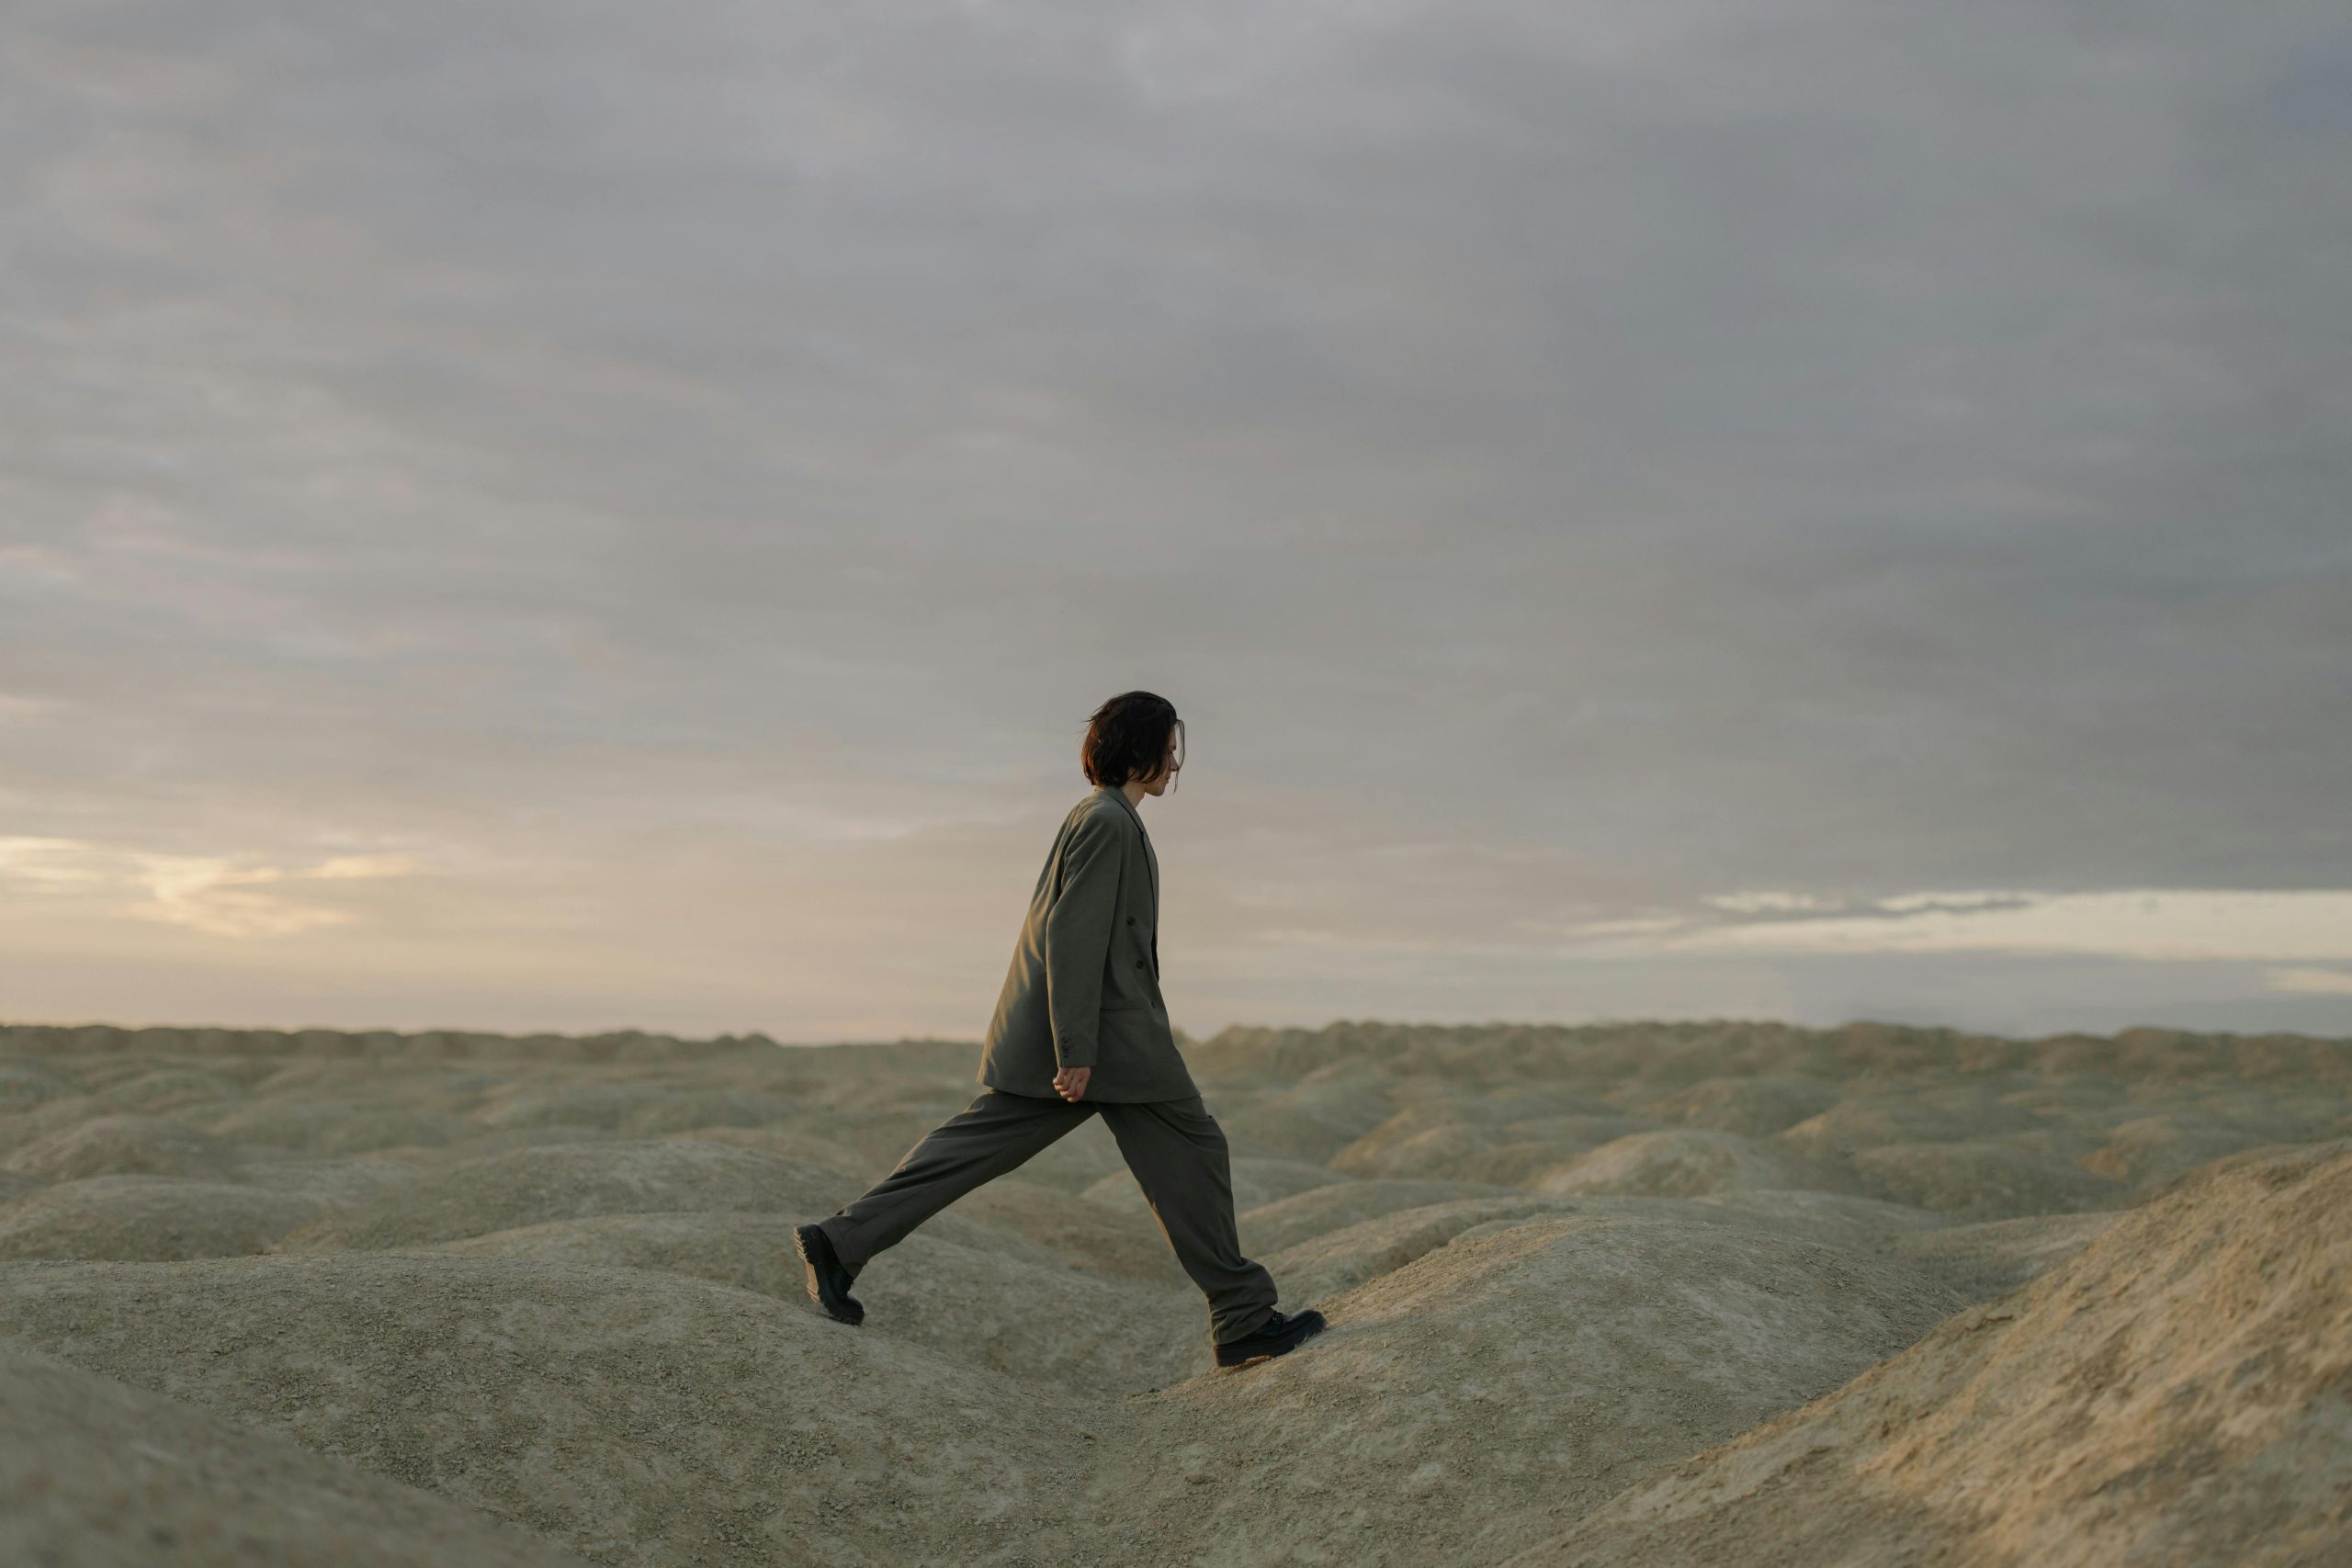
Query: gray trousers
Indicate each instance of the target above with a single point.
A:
(1174, 1146)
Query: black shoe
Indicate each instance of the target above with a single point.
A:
(1277, 1336)
(828, 1281)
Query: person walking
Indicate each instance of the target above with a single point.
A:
(1081, 1030)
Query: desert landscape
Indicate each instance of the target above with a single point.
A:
(1612, 1295)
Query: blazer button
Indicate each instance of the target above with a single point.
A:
(1131, 919)
(1138, 963)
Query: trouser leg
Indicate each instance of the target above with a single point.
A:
(996, 1132)
(1179, 1160)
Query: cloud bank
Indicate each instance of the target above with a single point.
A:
(675, 479)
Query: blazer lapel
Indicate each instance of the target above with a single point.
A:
(1150, 857)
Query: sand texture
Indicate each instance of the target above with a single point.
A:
(1617, 1295)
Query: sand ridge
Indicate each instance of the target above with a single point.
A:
(1622, 1294)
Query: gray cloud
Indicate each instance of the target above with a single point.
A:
(1643, 453)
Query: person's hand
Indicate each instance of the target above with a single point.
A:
(1071, 1083)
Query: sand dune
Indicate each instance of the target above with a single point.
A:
(1522, 1368)
(563, 1182)
(962, 1289)
(1303, 1216)
(150, 1217)
(1682, 1162)
(1255, 1181)
(121, 1145)
(593, 1405)
(1643, 1294)
(93, 1470)
(2180, 1392)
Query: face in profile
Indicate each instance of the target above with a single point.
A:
(1169, 763)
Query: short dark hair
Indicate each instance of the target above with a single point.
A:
(1127, 738)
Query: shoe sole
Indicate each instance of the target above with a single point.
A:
(800, 1246)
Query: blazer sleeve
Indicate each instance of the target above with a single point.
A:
(1078, 936)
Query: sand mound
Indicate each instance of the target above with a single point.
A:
(171, 1089)
(1255, 1181)
(154, 1217)
(336, 1127)
(1438, 1136)
(683, 1109)
(1754, 1108)
(598, 1406)
(122, 1145)
(35, 1123)
(1289, 1220)
(1462, 1151)
(1432, 1152)
(1981, 1181)
(1839, 1217)
(2149, 1151)
(1927, 1112)
(339, 1184)
(1071, 1230)
(811, 1149)
(980, 1295)
(1517, 1164)
(24, 1085)
(1525, 1370)
(1681, 1163)
(551, 1279)
(611, 1107)
(95, 1471)
(1997, 1256)
(1040, 1325)
(1324, 1266)
(2180, 1392)
(1309, 1121)
(565, 1181)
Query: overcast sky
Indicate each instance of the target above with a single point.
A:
(579, 514)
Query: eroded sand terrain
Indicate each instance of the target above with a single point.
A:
(1619, 1296)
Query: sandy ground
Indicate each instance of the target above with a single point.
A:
(1631, 1294)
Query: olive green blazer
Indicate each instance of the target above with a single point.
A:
(1083, 987)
